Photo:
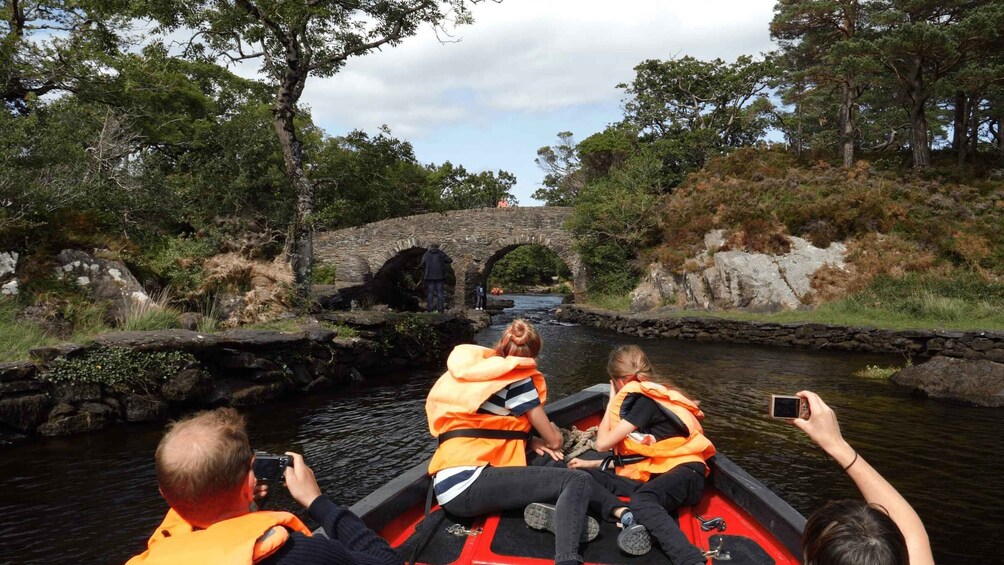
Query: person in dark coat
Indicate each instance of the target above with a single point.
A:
(434, 274)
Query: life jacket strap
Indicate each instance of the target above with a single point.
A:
(484, 433)
(621, 460)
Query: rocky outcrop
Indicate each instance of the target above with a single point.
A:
(738, 279)
(103, 279)
(8, 266)
(127, 377)
(977, 381)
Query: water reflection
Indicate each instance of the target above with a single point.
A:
(93, 498)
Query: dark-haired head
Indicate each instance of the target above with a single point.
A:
(519, 339)
(853, 532)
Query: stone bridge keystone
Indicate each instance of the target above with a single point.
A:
(475, 239)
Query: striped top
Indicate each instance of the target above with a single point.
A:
(514, 400)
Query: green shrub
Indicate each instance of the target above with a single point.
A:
(343, 330)
(418, 339)
(120, 367)
(324, 273)
(874, 372)
(177, 262)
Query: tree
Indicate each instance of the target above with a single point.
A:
(563, 179)
(296, 40)
(814, 35)
(51, 46)
(462, 190)
(920, 43)
(616, 216)
(705, 106)
(362, 178)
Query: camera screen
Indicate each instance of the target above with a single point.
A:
(267, 469)
(787, 407)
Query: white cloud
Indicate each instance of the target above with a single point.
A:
(531, 56)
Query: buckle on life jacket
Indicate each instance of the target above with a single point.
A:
(484, 433)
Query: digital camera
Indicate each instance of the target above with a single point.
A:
(271, 468)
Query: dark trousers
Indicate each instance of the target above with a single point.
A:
(607, 486)
(653, 502)
(479, 301)
(434, 289)
(506, 488)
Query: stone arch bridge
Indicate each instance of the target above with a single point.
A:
(474, 239)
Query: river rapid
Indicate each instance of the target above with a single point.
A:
(94, 499)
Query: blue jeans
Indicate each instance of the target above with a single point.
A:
(506, 488)
(434, 289)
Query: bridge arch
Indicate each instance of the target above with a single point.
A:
(474, 239)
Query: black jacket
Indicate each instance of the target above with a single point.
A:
(434, 261)
(349, 541)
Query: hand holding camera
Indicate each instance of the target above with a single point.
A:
(291, 469)
(300, 481)
(789, 407)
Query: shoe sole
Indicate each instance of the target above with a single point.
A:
(541, 517)
(634, 540)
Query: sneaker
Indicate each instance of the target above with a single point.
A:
(634, 540)
(541, 517)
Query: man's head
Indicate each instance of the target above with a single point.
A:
(433, 246)
(204, 466)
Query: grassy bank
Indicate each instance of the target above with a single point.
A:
(910, 302)
(17, 338)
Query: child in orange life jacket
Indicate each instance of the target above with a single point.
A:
(656, 433)
(482, 410)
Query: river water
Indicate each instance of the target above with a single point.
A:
(93, 498)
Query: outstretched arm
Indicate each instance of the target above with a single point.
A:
(823, 428)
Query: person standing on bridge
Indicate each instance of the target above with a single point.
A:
(434, 262)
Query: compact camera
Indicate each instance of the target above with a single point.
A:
(788, 407)
(271, 468)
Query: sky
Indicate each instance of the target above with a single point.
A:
(524, 71)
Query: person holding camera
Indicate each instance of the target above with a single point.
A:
(205, 471)
(881, 530)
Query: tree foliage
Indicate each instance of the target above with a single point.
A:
(294, 41)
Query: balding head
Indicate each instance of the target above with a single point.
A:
(202, 465)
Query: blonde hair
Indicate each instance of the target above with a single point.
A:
(629, 362)
(519, 339)
(202, 464)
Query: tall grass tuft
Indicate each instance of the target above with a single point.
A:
(153, 314)
(210, 320)
(17, 337)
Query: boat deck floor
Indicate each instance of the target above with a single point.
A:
(505, 539)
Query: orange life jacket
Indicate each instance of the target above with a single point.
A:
(668, 453)
(474, 373)
(241, 540)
